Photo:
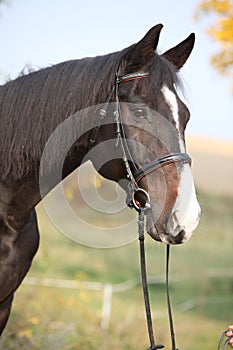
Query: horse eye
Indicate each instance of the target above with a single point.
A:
(139, 113)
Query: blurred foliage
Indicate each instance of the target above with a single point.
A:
(220, 31)
(72, 189)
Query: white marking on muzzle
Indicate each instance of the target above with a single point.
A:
(186, 212)
(171, 100)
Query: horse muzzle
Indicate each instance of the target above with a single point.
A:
(178, 229)
(169, 238)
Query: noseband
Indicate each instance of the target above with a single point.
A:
(159, 163)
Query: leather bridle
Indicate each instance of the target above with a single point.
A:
(139, 173)
(134, 176)
(134, 173)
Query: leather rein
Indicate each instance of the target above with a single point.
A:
(134, 176)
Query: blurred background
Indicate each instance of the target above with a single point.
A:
(55, 308)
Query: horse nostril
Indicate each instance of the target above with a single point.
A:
(179, 238)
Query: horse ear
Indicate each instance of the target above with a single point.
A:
(141, 53)
(179, 54)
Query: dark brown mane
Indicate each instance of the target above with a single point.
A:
(33, 105)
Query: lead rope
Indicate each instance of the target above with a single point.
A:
(141, 238)
(172, 332)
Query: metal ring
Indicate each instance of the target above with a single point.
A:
(136, 206)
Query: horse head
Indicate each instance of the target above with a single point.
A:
(152, 126)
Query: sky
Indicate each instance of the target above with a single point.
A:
(42, 33)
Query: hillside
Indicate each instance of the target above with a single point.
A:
(212, 164)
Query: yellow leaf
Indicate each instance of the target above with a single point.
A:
(98, 182)
(69, 193)
(26, 333)
(34, 320)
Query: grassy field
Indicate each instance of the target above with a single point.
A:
(201, 290)
(206, 154)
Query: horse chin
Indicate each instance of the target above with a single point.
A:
(167, 238)
(154, 234)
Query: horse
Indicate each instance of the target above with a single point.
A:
(132, 92)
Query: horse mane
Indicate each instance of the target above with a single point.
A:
(33, 105)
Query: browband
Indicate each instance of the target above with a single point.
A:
(132, 76)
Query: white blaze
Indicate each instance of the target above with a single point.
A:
(186, 211)
(171, 100)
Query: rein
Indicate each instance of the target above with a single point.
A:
(223, 343)
(141, 238)
(134, 176)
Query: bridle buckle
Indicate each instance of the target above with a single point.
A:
(140, 200)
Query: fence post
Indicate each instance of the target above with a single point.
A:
(107, 304)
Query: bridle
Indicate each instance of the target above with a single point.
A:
(134, 176)
(134, 173)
